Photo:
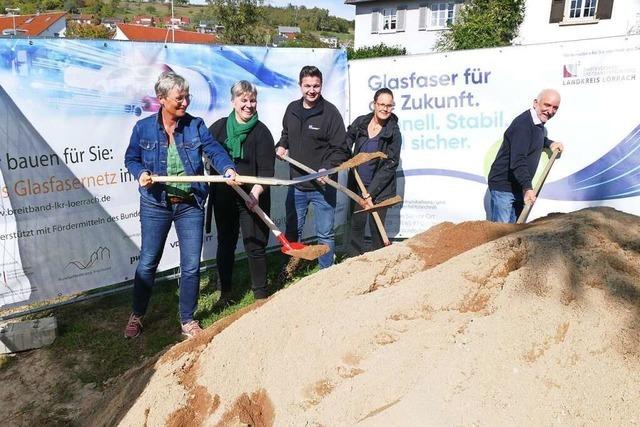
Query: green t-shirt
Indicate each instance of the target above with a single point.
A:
(176, 168)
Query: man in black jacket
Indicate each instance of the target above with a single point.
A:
(517, 160)
(313, 133)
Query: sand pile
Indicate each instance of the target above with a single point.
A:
(540, 325)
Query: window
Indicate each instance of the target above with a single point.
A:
(582, 9)
(570, 12)
(389, 19)
(442, 14)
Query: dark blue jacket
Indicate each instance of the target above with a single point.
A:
(147, 152)
(517, 160)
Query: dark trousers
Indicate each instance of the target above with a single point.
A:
(356, 245)
(231, 216)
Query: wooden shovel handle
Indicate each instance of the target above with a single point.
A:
(545, 172)
(258, 211)
(328, 180)
(375, 215)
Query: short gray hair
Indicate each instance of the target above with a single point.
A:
(243, 86)
(545, 92)
(169, 80)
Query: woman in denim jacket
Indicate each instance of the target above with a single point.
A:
(171, 142)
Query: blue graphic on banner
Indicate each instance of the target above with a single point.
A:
(616, 175)
(443, 172)
(89, 77)
(613, 176)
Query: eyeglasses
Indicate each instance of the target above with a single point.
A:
(388, 107)
(181, 99)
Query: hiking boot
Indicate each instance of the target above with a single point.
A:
(134, 326)
(191, 329)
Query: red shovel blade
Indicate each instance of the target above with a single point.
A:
(299, 250)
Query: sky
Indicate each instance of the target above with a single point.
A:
(335, 7)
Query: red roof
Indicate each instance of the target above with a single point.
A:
(151, 34)
(33, 25)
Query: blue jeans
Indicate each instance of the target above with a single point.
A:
(155, 224)
(324, 205)
(505, 206)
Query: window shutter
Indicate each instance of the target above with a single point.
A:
(400, 16)
(557, 11)
(375, 21)
(604, 9)
(422, 18)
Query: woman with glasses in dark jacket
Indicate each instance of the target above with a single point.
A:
(376, 131)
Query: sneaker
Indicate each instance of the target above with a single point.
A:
(191, 329)
(134, 326)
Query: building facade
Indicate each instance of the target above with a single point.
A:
(561, 20)
(414, 25)
(417, 24)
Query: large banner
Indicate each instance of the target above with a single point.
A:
(69, 209)
(453, 109)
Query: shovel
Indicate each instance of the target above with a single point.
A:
(352, 195)
(376, 217)
(245, 179)
(294, 249)
(386, 203)
(545, 172)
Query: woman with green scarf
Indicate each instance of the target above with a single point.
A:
(250, 145)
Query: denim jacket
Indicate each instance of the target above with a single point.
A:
(147, 152)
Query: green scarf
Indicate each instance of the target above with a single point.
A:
(237, 133)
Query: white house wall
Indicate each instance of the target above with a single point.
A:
(414, 40)
(537, 29)
(119, 35)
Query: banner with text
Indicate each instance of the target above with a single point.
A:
(69, 208)
(454, 107)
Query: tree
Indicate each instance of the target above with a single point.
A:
(376, 51)
(73, 6)
(52, 4)
(484, 23)
(241, 20)
(87, 31)
(304, 40)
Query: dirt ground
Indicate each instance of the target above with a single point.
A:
(475, 323)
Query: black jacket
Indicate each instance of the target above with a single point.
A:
(258, 159)
(518, 157)
(318, 142)
(383, 183)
